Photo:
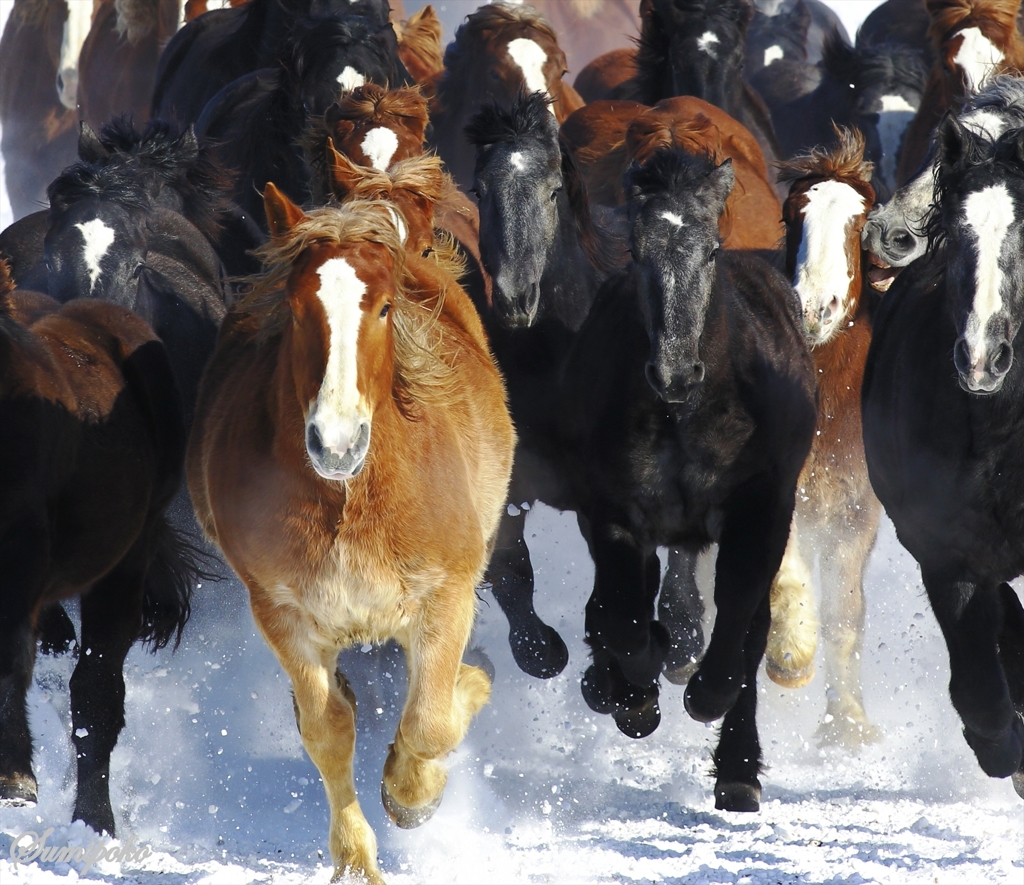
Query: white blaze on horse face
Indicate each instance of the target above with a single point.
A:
(76, 29)
(380, 145)
(336, 412)
(773, 53)
(985, 124)
(673, 218)
(977, 57)
(350, 78)
(989, 214)
(517, 161)
(893, 119)
(396, 220)
(706, 43)
(530, 58)
(97, 239)
(823, 273)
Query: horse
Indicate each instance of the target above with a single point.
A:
(696, 47)
(369, 432)
(837, 513)
(499, 51)
(823, 22)
(899, 21)
(38, 130)
(94, 445)
(254, 124)
(688, 412)
(546, 258)
(942, 419)
(118, 59)
(973, 40)
(776, 55)
(111, 237)
(606, 136)
(895, 234)
(419, 45)
(217, 48)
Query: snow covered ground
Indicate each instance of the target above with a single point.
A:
(211, 781)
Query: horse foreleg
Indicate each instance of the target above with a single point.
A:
(752, 543)
(738, 754)
(971, 618)
(111, 622)
(537, 648)
(681, 610)
(444, 695)
(1011, 655)
(843, 559)
(793, 637)
(325, 709)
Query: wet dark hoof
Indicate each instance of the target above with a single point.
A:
(737, 796)
(1017, 778)
(705, 705)
(541, 658)
(597, 690)
(477, 657)
(640, 722)
(100, 817)
(680, 671)
(407, 818)
(1001, 757)
(17, 792)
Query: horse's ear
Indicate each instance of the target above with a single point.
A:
(345, 175)
(954, 141)
(90, 148)
(189, 142)
(282, 213)
(720, 182)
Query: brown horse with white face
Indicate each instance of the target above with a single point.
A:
(837, 513)
(351, 456)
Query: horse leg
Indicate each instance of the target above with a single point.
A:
(681, 610)
(444, 695)
(1011, 655)
(325, 712)
(23, 554)
(111, 622)
(537, 648)
(842, 606)
(971, 618)
(738, 754)
(629, 646)
(752, 542)
(793, 637)
(56, 632)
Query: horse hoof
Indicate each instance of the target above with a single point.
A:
(680, 674)
(407, 818)
(1017, 779)
(737, 796)
(1001, 757)
(704, 705)
(18, 792)
(789, 678)
(542, 658)
(597, 691)
(640, 722)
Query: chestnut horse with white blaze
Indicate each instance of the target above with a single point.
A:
(351, 457)
(837, 513)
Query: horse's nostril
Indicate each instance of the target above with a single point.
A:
(697, 373)
(314, 444)
(654, 377)
(1003, 359)
(961, 357)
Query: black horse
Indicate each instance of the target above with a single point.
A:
(254, 125)
(689, 412)
(943, 407)
(547, 259)
(220, 46)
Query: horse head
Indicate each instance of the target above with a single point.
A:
(980, 198)
(825, 212)
(975, 39)
(340, 281)
(675, 200)
(377, 127)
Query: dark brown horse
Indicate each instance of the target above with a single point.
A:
(92, 453)
(837, 513)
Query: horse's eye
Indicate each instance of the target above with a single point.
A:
(138, 271)
(384, 310)
(554, 194)
(427, 251)
(713, 254)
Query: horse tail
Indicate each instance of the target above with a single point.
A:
(177, 566)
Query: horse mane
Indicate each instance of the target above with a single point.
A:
(423, 373)
(528, 119)
(419, 44)
(117, 180)
(178, 161)
(844, 162)
(136, 18)
(313, 38)
(995, 19)
(1003, 93)
(670, 170)
(7, 285)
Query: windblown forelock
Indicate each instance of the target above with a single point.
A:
(528, 117)
(844, 162)
(118, 182)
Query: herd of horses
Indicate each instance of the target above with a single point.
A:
(746, 287)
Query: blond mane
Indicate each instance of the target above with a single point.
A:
(997, 20)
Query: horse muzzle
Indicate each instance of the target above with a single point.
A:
(984, 375)
(677, 385)
(339, 462)
(516, 304)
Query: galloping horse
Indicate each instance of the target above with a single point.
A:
(689, 412)
(943, 411)
(500, 51)
(351, 457)
(837, 513)
(93, 446)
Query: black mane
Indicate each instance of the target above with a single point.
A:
(669, 170)
(117, 181)
(312, 39)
